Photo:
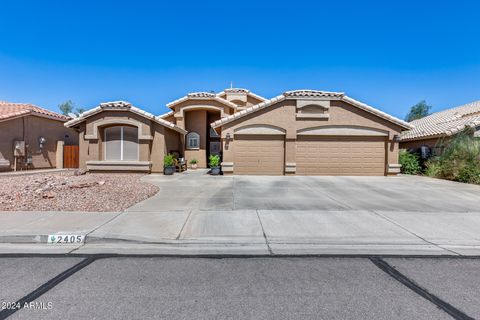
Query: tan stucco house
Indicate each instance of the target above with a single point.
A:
(32, 137)
(303, 132)
(434, 131)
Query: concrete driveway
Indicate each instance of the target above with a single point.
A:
(198, 190)
(194, 213)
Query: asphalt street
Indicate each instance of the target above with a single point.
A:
(128, 287)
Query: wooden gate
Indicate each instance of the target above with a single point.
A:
(70, 157)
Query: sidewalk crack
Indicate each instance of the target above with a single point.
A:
(184, 224)
(95, 229)
(412, 233)
(264, 234)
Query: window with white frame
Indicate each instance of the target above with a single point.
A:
(121, 143)
(193, 140)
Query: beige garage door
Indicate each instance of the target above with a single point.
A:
(259, 155)
(343, 156)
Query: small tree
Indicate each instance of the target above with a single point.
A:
(418, 111)
(68, 107)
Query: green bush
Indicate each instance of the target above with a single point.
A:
(214, 160)
(432, 169)
(469, 173)
(460, 160)
(168, 160)
(410, 162)
(193, 161)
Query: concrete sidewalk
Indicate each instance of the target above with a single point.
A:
(246, 232)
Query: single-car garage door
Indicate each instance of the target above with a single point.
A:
(345, 156)
(259, 154)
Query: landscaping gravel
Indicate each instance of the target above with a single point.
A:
(65, 191)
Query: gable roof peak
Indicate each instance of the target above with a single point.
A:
(236, 90)
(312, 93)
(116, 104)
(201, 94)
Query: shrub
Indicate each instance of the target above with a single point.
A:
(168, 160)
(433, 169)
(214, 160)
(193, 161)
(460, 160)
(410, 162)
(469, 173)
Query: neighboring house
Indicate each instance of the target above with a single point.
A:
(37, 133)
(303, 132)
(434, 130)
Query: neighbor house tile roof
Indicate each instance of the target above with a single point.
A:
(445, 123)
(122, 106)
(296, 94)
(10, 110)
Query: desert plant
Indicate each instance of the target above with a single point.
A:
(168, 160)
(410, 162)
(193, 161)
(460, 159)
(214, 160)
(433, 169)
(469, 173)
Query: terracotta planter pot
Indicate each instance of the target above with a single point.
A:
(193, 166)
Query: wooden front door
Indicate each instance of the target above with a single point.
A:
(70, 157)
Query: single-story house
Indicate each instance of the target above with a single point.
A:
(303, 132)
(30, 137)
(433, 131)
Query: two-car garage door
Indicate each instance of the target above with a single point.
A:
(315, 155)
(347, 156)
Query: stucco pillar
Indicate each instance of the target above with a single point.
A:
(290, 151)
(290, 156)
(393, 166)
(228, 152)
(59, 155)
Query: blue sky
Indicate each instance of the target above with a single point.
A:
(389, 54)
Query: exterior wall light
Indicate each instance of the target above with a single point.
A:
(396, 138)
(228, 136)
(41, 142)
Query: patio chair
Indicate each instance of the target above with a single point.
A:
(180, 162)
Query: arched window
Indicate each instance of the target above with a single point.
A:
(121, 143)
(193, 140)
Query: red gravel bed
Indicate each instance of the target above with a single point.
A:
(64, 191)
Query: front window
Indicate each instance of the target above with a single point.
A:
(213, 133)
(193, 140)
(121, 143)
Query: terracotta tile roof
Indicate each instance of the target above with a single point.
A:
(445, 123)
(310, 94)
(313, 93)
(236, 90)
(122, 106)
(202, 96)
(10, 110)
(240, 90)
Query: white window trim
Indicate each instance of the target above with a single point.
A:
(188, 142)
(121, 145)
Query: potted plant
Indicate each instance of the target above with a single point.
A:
(168, 164)
(214, 162)
(193, 163)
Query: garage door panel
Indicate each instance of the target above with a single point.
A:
(340, 155)
(257, 155)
